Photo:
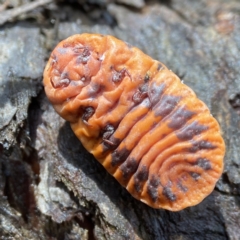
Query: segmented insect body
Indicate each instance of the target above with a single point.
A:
(147, 129)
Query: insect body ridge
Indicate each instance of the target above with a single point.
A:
(147, 128)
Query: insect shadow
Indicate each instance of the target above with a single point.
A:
(75, 154)
(92, 173)
(154, 222)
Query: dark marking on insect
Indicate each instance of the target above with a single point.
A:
(129, 167)
(94, 89)
(108, 131)
(110, 144)
(119, 156)
(54, 59)
(83, 56)
(67, 45)
(204, 163)
(191, 130)
(160, 67)
(155, 92)
(146, 78)
(64, 75)
(88, 112)
(182, 187)
(180, 117)
(57, 82)
(78, 49)
(166, 105)
(118, 76)
(138, 97)
(195, 175)
(140, 177)
(152, 187)
(200, 145)
(140, 94)
(167, 192)
(144, 88)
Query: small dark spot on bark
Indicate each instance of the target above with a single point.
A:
(204, 163)
(119, 156)
(191, 130)
(166, 105)
(200, 145)
(129, 167)
(88, 112)
(195, 175)
(152, 187)
(235, 102)
(167, 192)
(140, 177)
(155, 92)
(180, 117)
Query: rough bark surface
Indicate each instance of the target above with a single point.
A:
(50, 186)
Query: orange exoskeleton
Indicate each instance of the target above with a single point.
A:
(147, 128)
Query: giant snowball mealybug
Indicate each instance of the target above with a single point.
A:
(147, 128)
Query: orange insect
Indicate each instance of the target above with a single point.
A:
(137, 118)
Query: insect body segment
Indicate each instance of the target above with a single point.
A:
(135, 116)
